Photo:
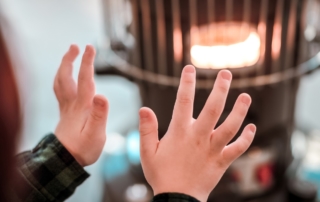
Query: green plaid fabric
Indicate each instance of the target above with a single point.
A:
(47, 173)
(174, 197)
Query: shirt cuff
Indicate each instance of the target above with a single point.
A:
(174, 197)
(51, 169)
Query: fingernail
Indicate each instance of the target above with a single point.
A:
(98, 102)
(72, 47)
(143, 114)
(246, 99)
(226, 75)
(252, 128)
(189, 69)
(87, 48)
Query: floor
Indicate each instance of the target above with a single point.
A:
(39, 32)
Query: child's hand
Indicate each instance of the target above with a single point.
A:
(193, 155)
(83, 115)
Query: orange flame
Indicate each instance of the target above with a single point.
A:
(230, 54)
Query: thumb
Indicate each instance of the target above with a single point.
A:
(97, 121)
(148, 132)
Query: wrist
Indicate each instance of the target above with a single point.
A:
(77, 157)
(73, 151)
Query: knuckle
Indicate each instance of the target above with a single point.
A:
(146, 131)
(242, 148)
(82, 78)
(86, 59)
(65, 58)
(241, 109)
(213, 112)
(60, 80)
(198, 143)
(56, 86)
(221, 163)
(223, 88)
(63, 107)
(149, 132)
(96, 116)
(185, 100)
(242, 112)
(83, 105)
(229, 132)
(86, 82)
(85, 62)
(87, 54)
(188, 80)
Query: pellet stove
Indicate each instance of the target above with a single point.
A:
(267, 45)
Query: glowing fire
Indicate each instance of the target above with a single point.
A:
(233, 46)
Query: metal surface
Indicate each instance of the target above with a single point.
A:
(177, 38)
(113, 60)
(161, 29)
(277, 41)
(147, 35)
(169, 35)
(262, 29)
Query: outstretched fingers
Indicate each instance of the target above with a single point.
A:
(97, 120)
(183, 108)
(227, 130)
(86, 86)
(214, 106)
(64, 85)
(237, 148)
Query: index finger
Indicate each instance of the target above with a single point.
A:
(65, 86)
(86, 87)
(228, 129)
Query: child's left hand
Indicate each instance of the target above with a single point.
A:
(83, 115)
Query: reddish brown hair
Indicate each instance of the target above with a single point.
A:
(9, 120)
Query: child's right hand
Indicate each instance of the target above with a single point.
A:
(193, 155)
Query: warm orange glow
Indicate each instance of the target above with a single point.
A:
(177, 44)
(276, 41)
(227, 49)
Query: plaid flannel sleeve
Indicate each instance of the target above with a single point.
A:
(47, 173)
(173, 197)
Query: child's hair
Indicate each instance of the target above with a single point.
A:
(9, 120)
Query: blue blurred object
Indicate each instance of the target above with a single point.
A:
(313, 176)
(121, 152)
(133, 147)
(115, 166)
(116, 163)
